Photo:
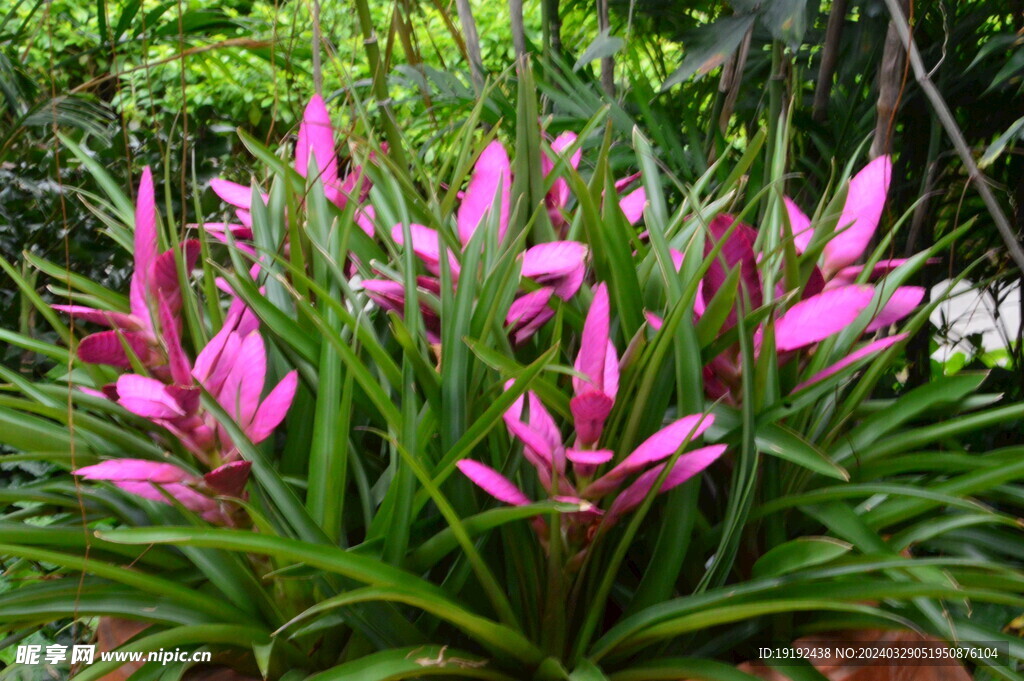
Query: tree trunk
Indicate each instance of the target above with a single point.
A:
(829, 56)
(890, 79)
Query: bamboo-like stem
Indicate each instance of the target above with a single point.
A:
(406, 36)
(318, 78)
(829, 57)
(775, 104)
(472, 40)
(551, 22)
(956, 136)
(380, 84)
(515, 11)
(607, 63)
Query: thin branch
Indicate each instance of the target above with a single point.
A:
(231, 42)
(956, 136)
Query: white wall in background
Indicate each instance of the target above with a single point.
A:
(970, 311)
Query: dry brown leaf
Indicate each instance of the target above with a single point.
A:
(112, 633)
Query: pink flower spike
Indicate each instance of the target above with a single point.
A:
(242, 388)
(492, 482)
(623, 182)
(134, 469)
(221, 369)
(686, 466)
(426, 244)
(365, 217)
(208, 358)
(558, 196)
(229, 480)
(632, 205)
(92, 392)
(849, 274)
(661, 445)
(164, 273)
(737, 251)
(902, 302)
(515, 411)
(316, 138)
(274, 408)
(147, 397)
(181, 368)
(666, 441)
(815, 319)
(146, 479)
(525, 332)
(532, 439)
(611, 372)
(677, 259)
(653, 320)
(527, 307)
(185, 495)
(589, 412)
(542, 422)
(855, 356)
(800, 224)
(593, 347)
(119, 320)
(390, 295)
(542, 442)
(567, 286)
(105, 348)
(586, 461)
(145, 247)
(219, 230)
(234, 194)
(549, 261)
(865, 200)
(562, 143)
(491, 174)
(589, 457)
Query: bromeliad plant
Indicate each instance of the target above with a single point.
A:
(231, 367)
(639, 497)
(595, 391)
